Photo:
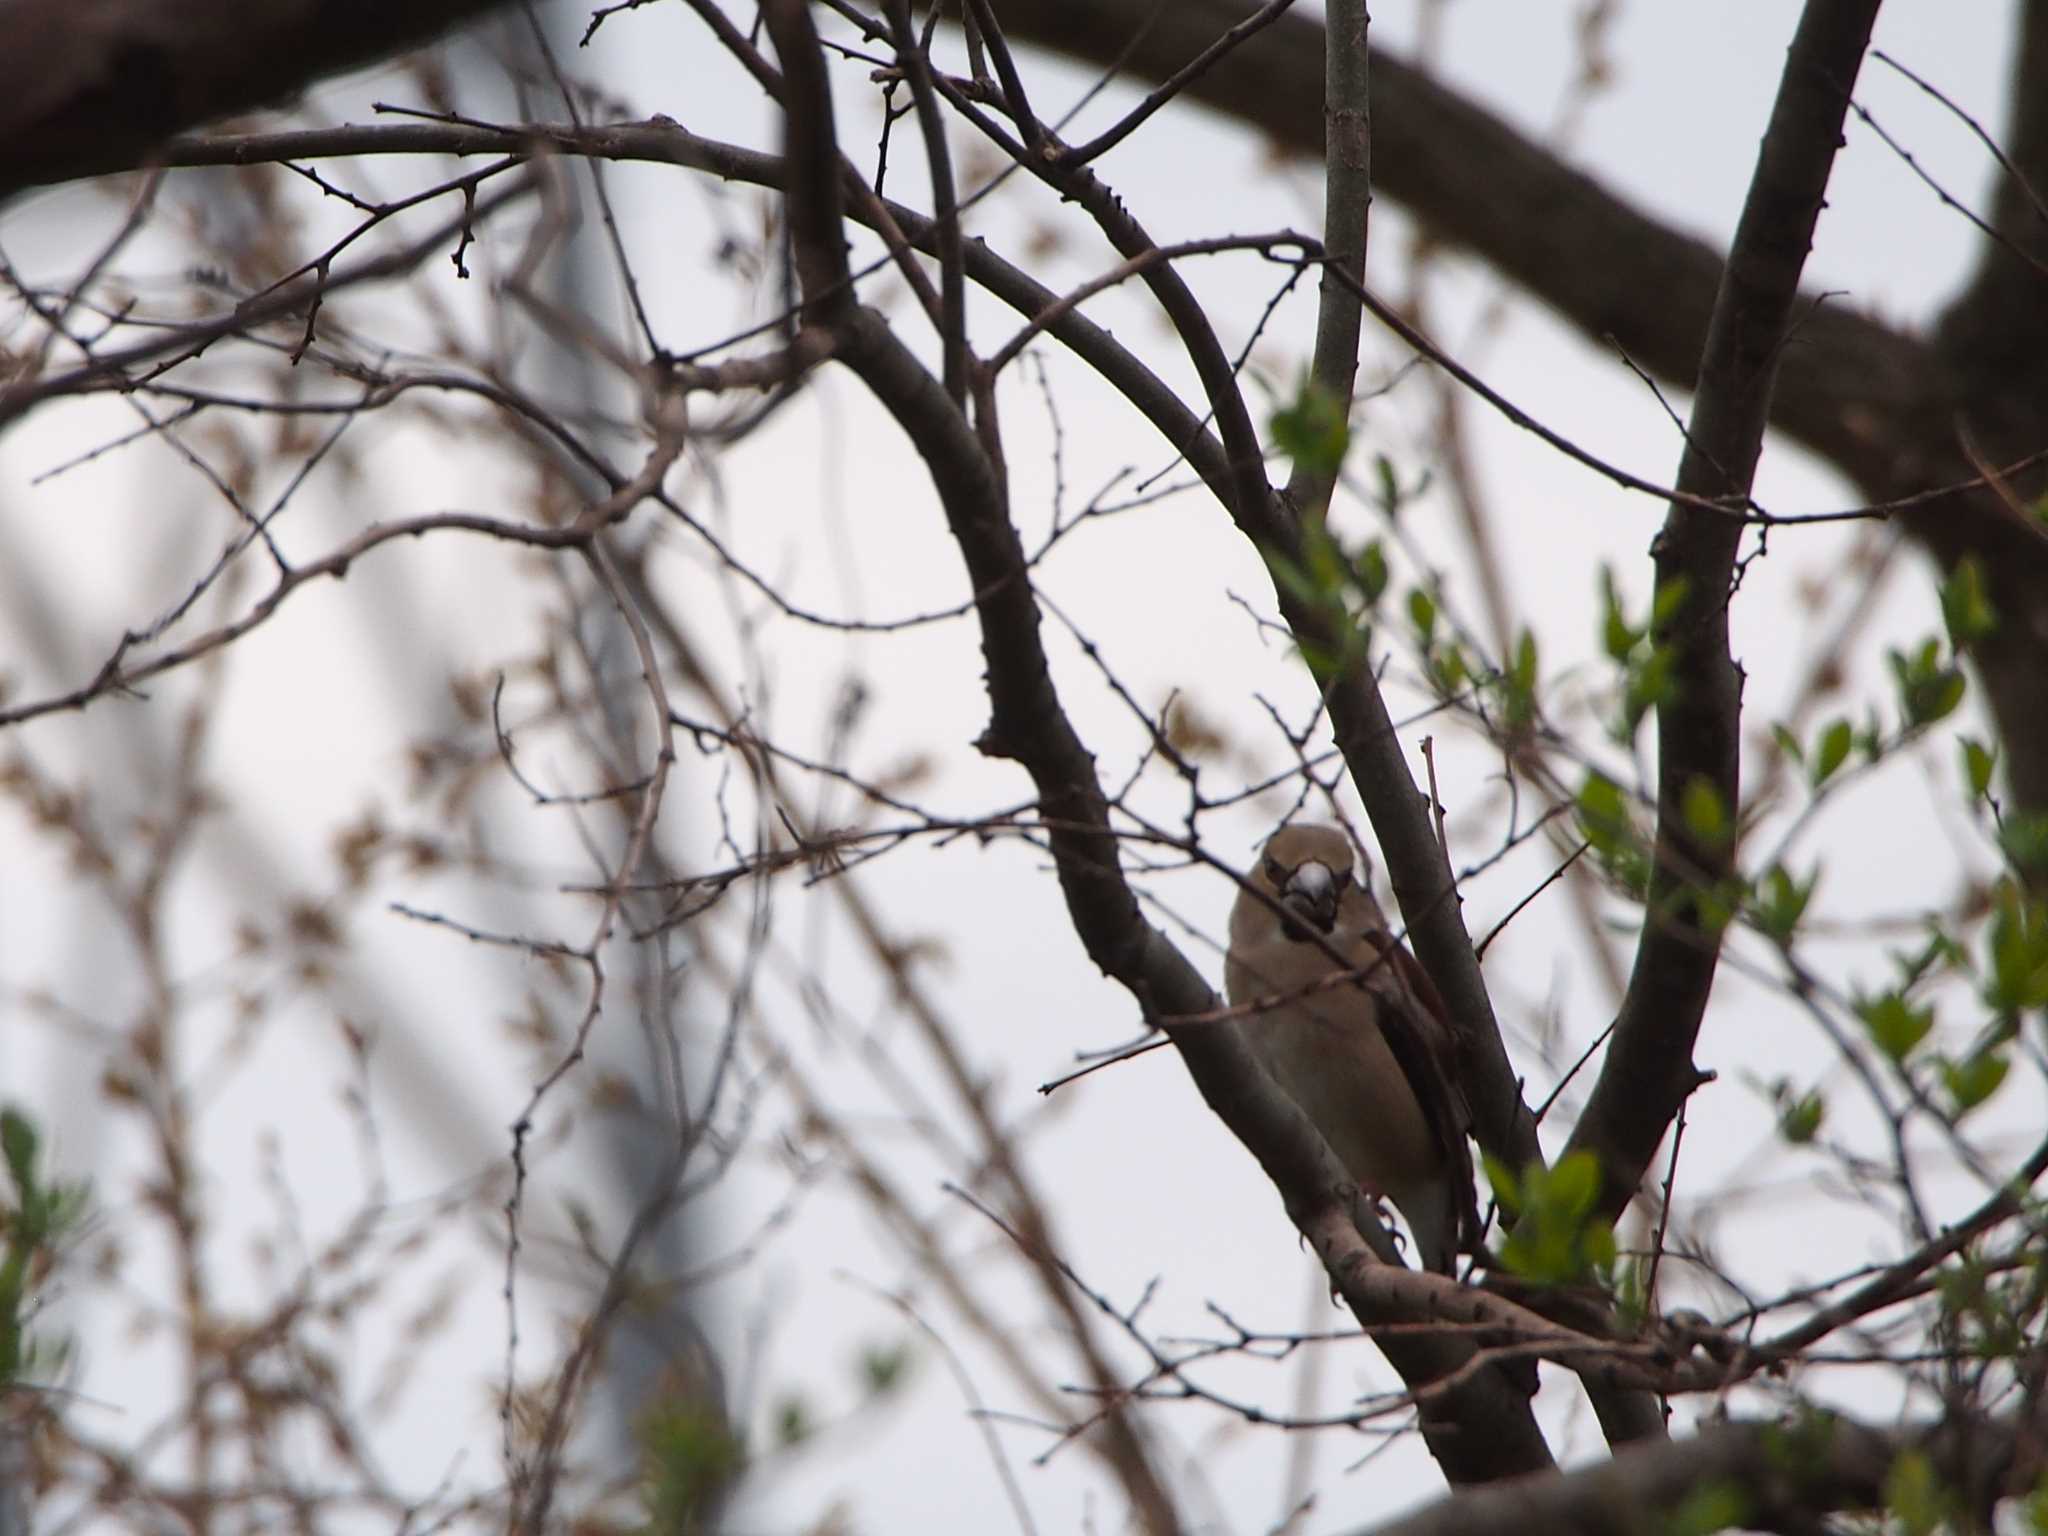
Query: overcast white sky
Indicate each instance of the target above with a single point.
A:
(1144, 1184)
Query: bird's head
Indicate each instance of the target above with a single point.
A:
(1306, 869)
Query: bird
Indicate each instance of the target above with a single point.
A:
(1369, 1058)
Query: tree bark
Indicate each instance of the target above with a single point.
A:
(92, 86)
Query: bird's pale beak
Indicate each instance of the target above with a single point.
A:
(1311, 894)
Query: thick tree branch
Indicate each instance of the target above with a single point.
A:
(1649, 1069)
(90, 86)
(1773, 1475)
(1992, 353)
(1996, 331)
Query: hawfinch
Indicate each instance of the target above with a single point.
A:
(1368, 1059)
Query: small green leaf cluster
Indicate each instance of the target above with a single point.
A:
(2016, 954)
(1996, 1309)
(1930, 679)
(1556, 1236)
(1645, 661)
(1930, 683)
(1711, 1506)
(35, 1218)
(1831, 748)
(690, 1456)
(1312, 431)
(1916, 1497)
(1516, 687)
(1339, 587)
(2011, 979)
(1800, 1111)
(1339, 584)
(1779, 900)
(1445, 664)
(1607, 822)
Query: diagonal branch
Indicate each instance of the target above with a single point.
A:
(1773, 1475)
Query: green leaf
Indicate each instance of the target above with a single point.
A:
(1649, 685)
(883, 1367)
(1422, 613)
(1603, 813)
(1714, 1505)
(1389, 486)
(793, 1423)
(1507, 1189)
(1670, 598)
(1605, 824)
(1939, 950)
(1929, 690)
(1788, 743)
(1831, 751)
(1293, 579)
(1781, 901)
(18, 1146)
(1323, 557)
(2017, 972)
(687, 1457)
(1617, 635)
(1971, 1081)
(1448, 669)
(1800, 1117)
(1369, 572)
(1914, 1494)
(1313, 430)
(2036, 1503)
(2024, 837)
(1574, 1183)
(1978, 761)
(1705, 813)
(1558, 1237)
(1600, 1245)
(1895, 1026)
(1518, 685)
(1965, 607)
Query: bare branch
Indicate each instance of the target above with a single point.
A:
(1649, 1069)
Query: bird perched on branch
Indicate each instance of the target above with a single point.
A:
(1352, 1029)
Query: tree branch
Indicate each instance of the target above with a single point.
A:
(91, 86)
(1649, 1069)
(1776, 1475)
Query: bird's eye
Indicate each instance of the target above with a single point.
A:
(1275, 871)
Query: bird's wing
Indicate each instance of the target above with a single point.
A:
(1417, 1029)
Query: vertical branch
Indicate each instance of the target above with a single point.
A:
(1649, 1068)
(1356, 707)
(917, 67)
(1347, 205)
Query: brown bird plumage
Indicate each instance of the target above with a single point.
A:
(1369, 1060)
